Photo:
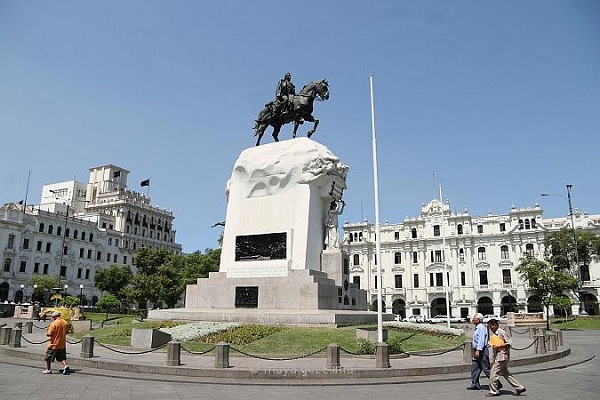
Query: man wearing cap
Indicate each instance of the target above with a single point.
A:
(480, 362)
(57, 344)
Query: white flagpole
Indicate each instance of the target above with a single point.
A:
(377, 235)
(446, 280)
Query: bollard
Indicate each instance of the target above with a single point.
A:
(333, 356)
(15, 338)
(467, 351)
(559, 337)
(87, 347)
(532, 332)
(540, 344)
(382, 355)
(551, 341)
(222, 355)
(29, 326)
(5, 335)
(173, 353)
(18, 325)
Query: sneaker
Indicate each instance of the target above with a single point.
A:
(519, 391)
(47, 371)
(473, 387)
(65, 371)
(492, 394)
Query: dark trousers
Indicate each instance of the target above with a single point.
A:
(479, 365)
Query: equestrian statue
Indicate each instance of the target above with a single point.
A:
(291, 107)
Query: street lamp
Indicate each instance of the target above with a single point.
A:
(80, 295)
(34, 294)
(576, 250)
(22, 293)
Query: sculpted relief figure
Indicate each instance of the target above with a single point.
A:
(331, 224)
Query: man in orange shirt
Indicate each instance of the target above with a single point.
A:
(57, 345)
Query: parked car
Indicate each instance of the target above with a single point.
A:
(501, 319)
(415, 319)
(444, 318)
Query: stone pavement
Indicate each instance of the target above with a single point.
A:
(137, 364)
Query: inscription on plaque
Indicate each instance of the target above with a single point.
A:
(246, 296)
(270, 246)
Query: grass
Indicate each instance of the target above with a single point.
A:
(290, 340)
(580, 323)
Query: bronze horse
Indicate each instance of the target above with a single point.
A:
(301, 111)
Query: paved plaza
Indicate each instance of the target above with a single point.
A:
(573, 376)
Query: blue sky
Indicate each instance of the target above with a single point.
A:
(499, 99)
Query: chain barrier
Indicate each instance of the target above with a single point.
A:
(40, 327)
(513, 330)
(77, 342)
(278, 359)
(525, 348)
(460, 346)
(30, 342)
(130, 352)
(356, 354)
(197, 353)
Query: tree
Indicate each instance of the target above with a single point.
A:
(109, 303)
(560, 252)
(44, 284)
(562, 303)
(545, 281)
(198, 265)
(113, 279)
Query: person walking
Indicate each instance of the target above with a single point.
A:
(480, 362)
(57, 344)
(500, 343)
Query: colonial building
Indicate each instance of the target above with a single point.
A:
(77, 230)
(478, 254)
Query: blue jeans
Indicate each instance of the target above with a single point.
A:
(479, 365)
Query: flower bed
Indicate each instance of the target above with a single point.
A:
(429, 328)
(187, 332)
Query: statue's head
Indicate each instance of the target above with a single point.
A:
(288, 77)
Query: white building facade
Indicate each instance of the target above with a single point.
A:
(77, 230)
(477, 254)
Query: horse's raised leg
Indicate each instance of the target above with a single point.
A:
(310, 118)
(276, 130)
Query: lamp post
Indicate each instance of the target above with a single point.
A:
(576, 250)
(22, 293)
(34, 294)
(81, 295)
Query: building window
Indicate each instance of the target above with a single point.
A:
(79, 271)
(533, 224)
(463, 279)
(115, 258)
(23, 266)
(87, 274)
(25, 243)
(108, 257)
(59, 231)
(124, 259)
(461, 255)
(529, 249)
(67, 232)
(356, 259)
(520, 224)
(483, 278)
(438, 256)
(506, 278)
(504, 252)
(11, 241)
(356, 280)
(50, 229)
(436, 230)
(36, 268)
(439, 279)
(65, 250)
(41, 228)
(459, 229)
(360, 236)
(375, 281)
(39, 245)
(63, 271)
(397, 258)
(415, 257)
(99, 256)
(75, 234)
(502, 227)
(431, 280)
(413, 233)
(110, 241)
(82, 235)
(46, 267)
(48, 246)
(481, 253)
(398, 281)
(89, 254)
(479, 228)
(527, 225)
(397, 235)
(7, 262)
(81, 250)
(415, 281)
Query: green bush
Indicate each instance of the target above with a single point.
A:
(241, 335)
(109, 303)
(365, 347)
(395, 344)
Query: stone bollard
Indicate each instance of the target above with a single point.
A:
(29, 326)
(173, 353)
(551, 341)
(540, 344)
(222, 355)
(19, 325)
(467, 351)
(532, 332)
(15, 337)
(5, 335)
(333, 356)
(87, 347)
(559, 337)
(382, 355)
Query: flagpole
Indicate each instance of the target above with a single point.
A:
(444, 260)
(26, 192)
(377, 235)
